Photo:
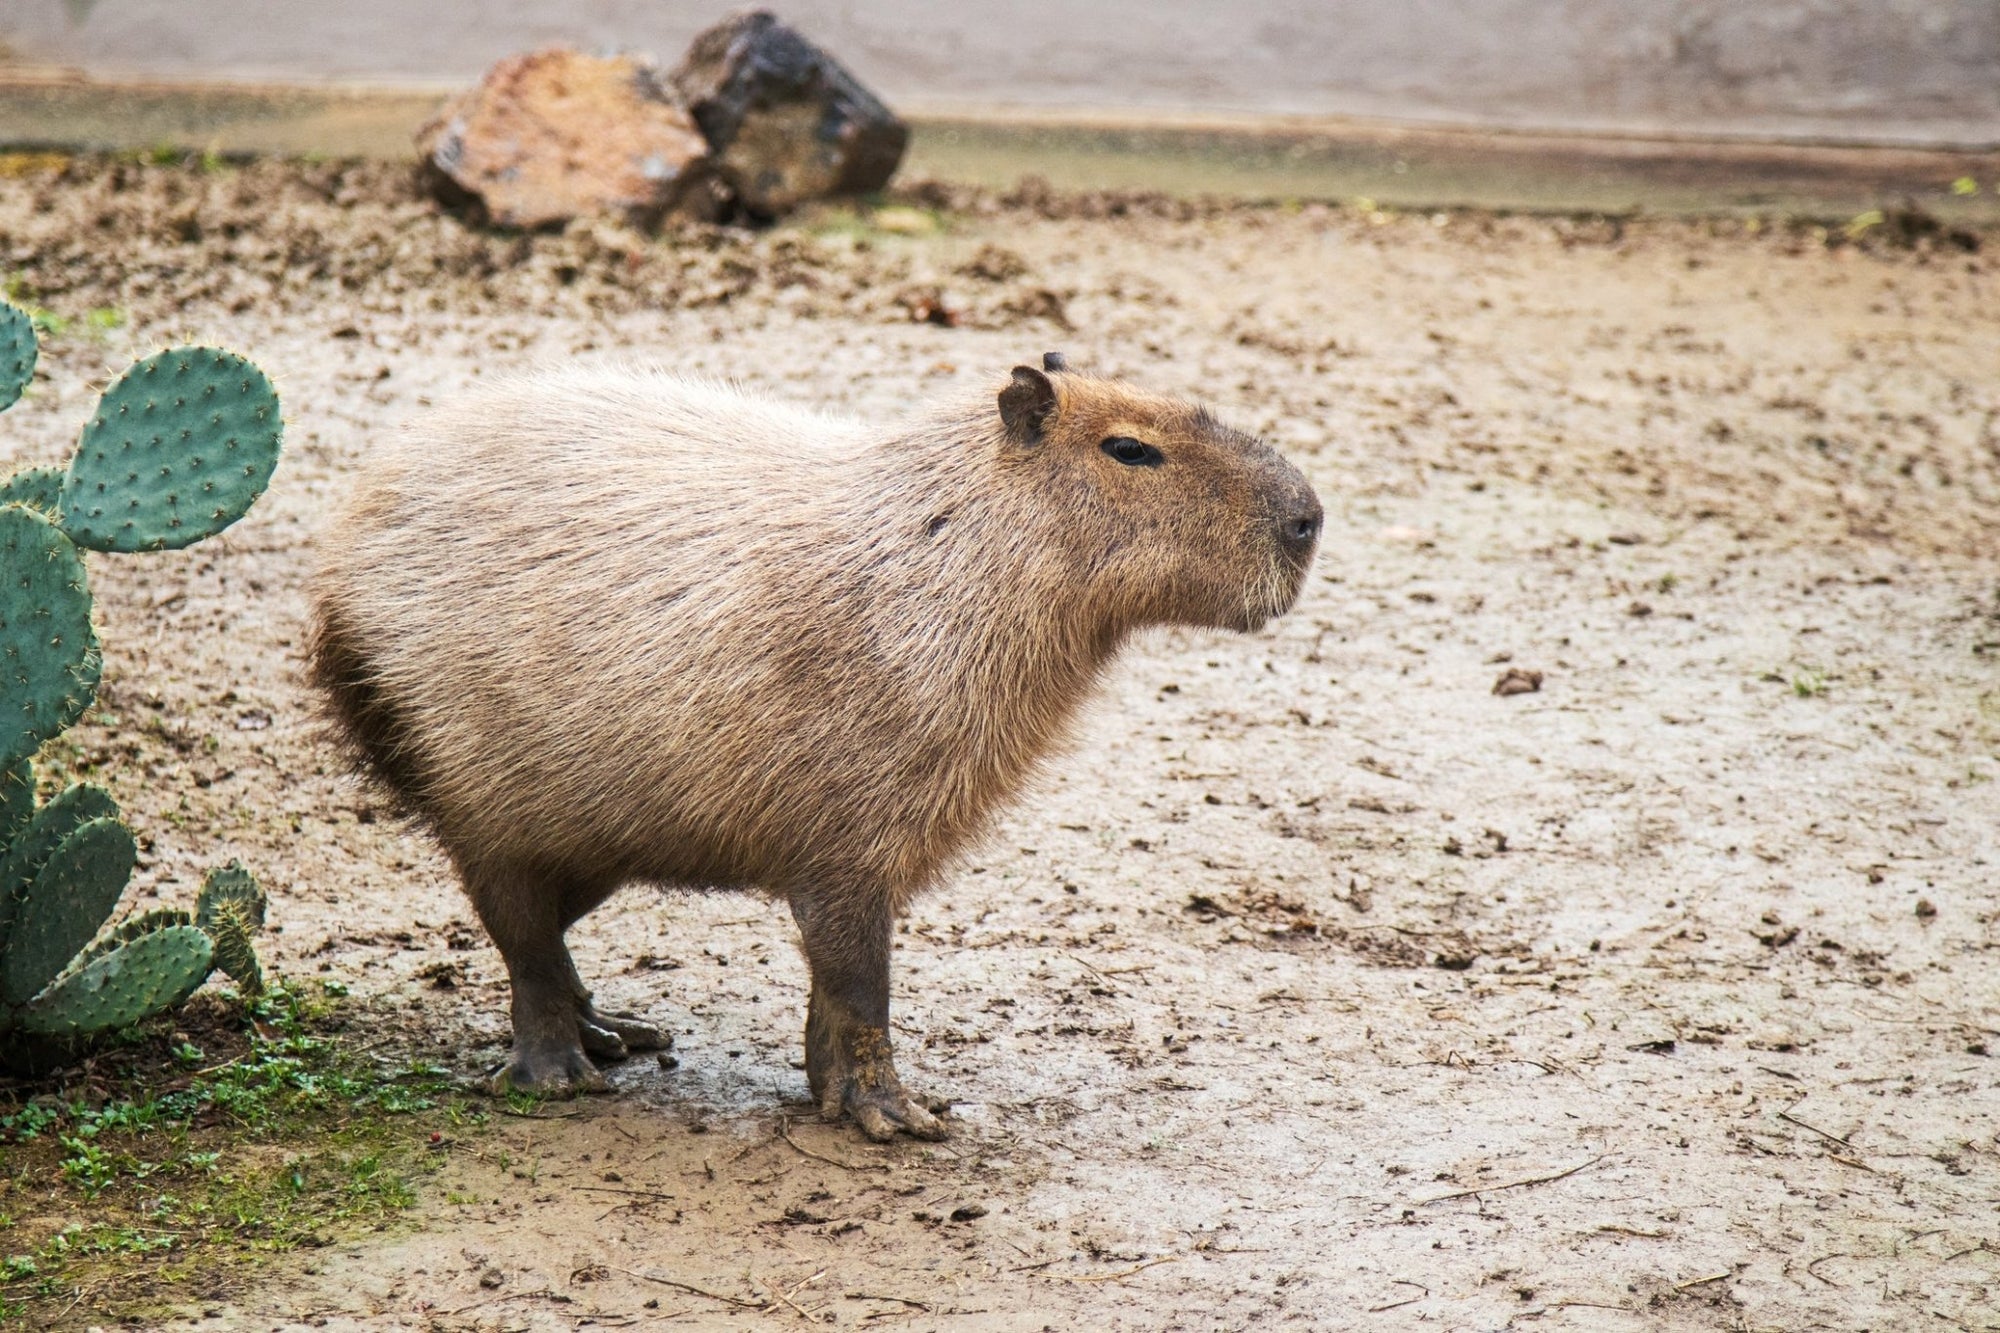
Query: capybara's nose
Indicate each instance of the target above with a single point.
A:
(1299, 531)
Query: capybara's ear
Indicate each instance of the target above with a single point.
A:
(1054, 362)
(1026, 405)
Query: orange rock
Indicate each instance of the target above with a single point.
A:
(556, 134)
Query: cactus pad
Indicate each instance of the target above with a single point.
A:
(65, 904)
(180, 447)
(48, 651)
(33, 847)
(152, 972)
(74, 807)
(230, 888)
(17, 353)
(231, 909)
(17, 802)
(37, 487)
(131, 928)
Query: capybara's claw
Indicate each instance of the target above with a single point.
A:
(558, 1073)
(615, 1036)
(635, 1032)
(884, 1112)
(601, 1042)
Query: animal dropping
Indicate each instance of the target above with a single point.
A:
(597, 627)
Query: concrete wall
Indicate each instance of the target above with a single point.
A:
(1887, 70)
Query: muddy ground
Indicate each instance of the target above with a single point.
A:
(1322, 986)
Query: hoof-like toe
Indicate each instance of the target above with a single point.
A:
(635, 1032)
(601, 1042)
(547, 1074)
(883, 1113)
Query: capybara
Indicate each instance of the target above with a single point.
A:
(602, 626)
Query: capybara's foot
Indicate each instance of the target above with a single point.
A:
(858, 1080)
(615, 1036)
(884, 1112)
(557, 1071)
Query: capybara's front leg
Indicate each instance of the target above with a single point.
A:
(848, 1060)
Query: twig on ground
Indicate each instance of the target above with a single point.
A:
(691, 1289)
(610, 1189)
(785, 1133)
(1087, 967)
(1512, 1184)
(786, 1297)
(1408, 1300)
(1703, 1281)
(512, 1296)
(1835, 1138)
(1124, 1273)
(871, 1296)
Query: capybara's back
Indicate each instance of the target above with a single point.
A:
(598, 626)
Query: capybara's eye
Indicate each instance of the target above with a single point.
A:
(1133, 453)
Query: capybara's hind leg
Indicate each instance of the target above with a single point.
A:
(848, 1061)
(605, 1034)
(523, 914)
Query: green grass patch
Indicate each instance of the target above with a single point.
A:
(164, 1172)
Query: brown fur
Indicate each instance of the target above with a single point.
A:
(602, 626)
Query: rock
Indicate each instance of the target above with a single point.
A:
(555, 135)
(786, 122)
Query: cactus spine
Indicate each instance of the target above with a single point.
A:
(179, 448)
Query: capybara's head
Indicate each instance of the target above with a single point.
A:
(1177, 518)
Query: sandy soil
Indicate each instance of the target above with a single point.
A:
(1322, 986)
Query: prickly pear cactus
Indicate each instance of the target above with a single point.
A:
(143, 976)
(17, 353)
(73, 894)
(179, 448)
(231, 909)
(37, 487)
(40, 838)
(64, 981)
(17, 807)
(48, 650)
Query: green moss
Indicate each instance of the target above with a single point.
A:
(198, 1154)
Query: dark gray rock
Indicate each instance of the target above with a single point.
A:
(785, 121)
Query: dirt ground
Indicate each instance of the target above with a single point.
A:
(1321, 986)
